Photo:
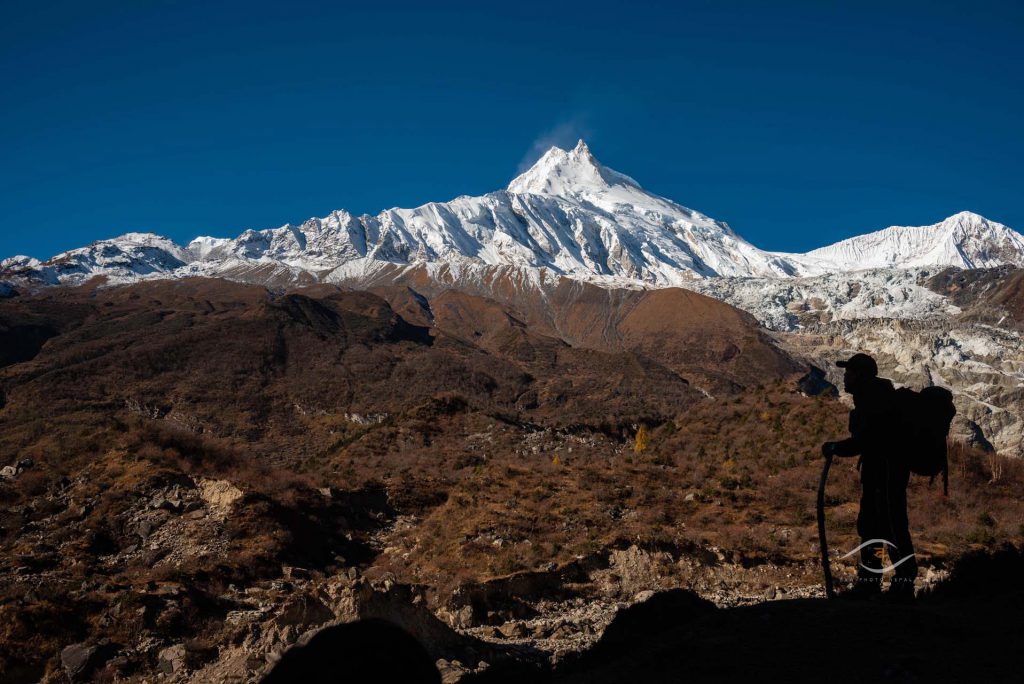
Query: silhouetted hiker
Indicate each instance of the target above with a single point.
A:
(884, 474)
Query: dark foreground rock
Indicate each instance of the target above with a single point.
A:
(365, 651)
(968, 629)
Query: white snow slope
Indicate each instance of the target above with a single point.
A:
(964, 240)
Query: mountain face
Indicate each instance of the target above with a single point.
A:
(964, 240)
(568, 215)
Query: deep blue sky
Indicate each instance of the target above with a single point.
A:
(799, 123)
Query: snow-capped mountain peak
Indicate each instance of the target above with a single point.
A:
(966, 218)
(965, 240)
(568, 215)
(18, 262)
(127, 256)
(568, 172)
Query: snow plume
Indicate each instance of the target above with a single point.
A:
(564, 135)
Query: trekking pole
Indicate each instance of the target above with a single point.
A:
(825, 567)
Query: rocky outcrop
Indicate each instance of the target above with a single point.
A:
(219, 494)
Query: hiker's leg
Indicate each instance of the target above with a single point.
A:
(899, 528)
(868, 527)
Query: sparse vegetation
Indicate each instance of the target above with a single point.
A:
(513, 453)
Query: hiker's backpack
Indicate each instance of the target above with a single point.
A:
(925, 420)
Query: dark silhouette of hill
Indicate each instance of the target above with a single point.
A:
(364, 651)
(968, 629)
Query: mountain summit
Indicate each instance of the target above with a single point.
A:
(568, 215)
(565, 173)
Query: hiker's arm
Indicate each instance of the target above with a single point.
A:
(852, 445)
(847, 447)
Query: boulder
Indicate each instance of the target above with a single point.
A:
(513, 630)
(219, 494)
(304, 611)
(172, 659)
(661, 611)
(638, 569)
(79, 660)
(464, 617)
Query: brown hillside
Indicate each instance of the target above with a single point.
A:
(203, 466)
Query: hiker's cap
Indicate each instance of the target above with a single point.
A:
(861, 363)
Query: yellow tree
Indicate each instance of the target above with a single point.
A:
(642, 439)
